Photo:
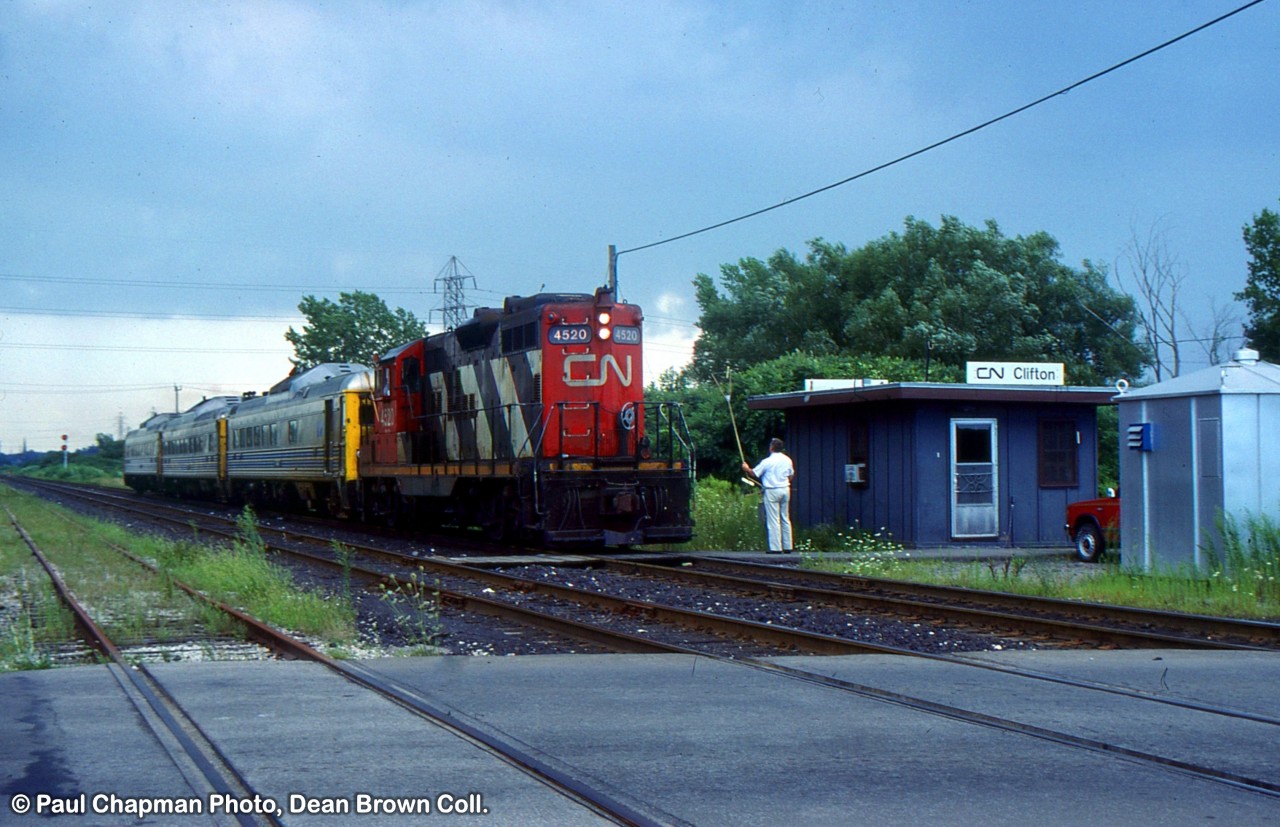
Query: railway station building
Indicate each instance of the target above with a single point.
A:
(934, 464)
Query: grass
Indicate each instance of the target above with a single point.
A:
(131, 603)
(33, 620)
(1224, 592)
(242, 576)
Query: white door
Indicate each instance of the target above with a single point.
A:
(974, 479)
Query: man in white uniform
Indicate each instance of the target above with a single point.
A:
(774, 474)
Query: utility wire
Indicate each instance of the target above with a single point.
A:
(140, 348)
(201, 285)
(157, 315)
(957, 136)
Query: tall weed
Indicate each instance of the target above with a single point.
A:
(1248, 559)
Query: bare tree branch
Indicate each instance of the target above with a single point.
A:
(1157, 277)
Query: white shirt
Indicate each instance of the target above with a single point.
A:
(775, 471)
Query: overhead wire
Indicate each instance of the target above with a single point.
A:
(144, 314)
(188, 285)
(955, 137)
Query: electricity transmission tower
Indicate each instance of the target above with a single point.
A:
(454, 276)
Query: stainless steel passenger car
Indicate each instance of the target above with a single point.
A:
(180, 453)
(297, 445)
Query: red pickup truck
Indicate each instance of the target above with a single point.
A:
(1093, 526)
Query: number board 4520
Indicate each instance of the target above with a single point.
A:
(569, 334)
(626, 335)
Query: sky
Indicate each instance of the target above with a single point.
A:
(175, 177)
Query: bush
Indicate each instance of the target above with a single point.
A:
(726, 517)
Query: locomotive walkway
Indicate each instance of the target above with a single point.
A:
(682, 739)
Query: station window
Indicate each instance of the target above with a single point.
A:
(856, 471)
(1059, 453)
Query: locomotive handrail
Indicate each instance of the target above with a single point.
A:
(674, 433)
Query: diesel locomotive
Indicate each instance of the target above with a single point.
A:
(527, 421)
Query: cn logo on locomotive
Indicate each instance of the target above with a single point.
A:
(605, 363)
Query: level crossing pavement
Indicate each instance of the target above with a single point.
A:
(685, 739)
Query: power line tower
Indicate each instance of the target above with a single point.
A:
(454, 276)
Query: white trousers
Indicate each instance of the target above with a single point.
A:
(777, 518)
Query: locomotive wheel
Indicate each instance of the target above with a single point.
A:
(1089, 543)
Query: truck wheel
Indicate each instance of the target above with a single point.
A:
(1089, 543)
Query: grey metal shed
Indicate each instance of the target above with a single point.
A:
(1193, 448)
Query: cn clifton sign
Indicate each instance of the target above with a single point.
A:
(1015, 373)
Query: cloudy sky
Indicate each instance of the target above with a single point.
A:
(174, 176)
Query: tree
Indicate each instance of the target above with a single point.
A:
(706, 409)
(359, 328)
(1221, 331)
(1262, 289)
(941, 295)
(109, 447)
(1157, 277)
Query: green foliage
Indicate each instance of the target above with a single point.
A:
(947, 295)
(109, 448)
(37, 618)
(1262, 289)
(356, 329)
(1108, 448)
(247, 530)
(725, 517)
(76, 471)
(707, 412)
(1248, 560)
(851, 551)
(415, 607)
(100, 465)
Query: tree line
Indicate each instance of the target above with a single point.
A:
(914, 305)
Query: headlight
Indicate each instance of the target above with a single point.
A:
(604, 332)
(605, 318)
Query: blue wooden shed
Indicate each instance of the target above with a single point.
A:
(936, 464)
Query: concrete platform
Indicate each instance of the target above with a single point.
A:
(700, 741)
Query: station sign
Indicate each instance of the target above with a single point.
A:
(1015, 373)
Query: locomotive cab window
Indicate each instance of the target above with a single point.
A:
(411, 374)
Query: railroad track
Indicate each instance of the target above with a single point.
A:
(1174, 763)
(221, 776)
(1046, 620)
(1066, 620)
